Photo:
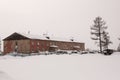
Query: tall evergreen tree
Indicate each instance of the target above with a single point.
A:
(0, 46)
(105, 40)
(118, 49)
(97, 30)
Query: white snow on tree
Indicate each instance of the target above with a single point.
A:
(99, 34)
(118, 49)
(105, 40)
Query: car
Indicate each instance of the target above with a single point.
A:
(84, 52)
(107, 51)
(61, 52)
(92, 52)
(74, 52)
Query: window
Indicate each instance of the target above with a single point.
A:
(16, 43)
(50, 43)
(42, 44)
(32, 43)
(38, 43)
(47, 44)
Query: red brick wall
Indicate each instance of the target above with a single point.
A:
(23, 46)
(29, 46)
(39, 45)
(44, 45)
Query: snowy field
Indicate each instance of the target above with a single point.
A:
(61, 67)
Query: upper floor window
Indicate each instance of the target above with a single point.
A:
(38, 43)
(32, 43)
(16, 43)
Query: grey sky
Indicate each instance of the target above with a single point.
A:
(63, 18)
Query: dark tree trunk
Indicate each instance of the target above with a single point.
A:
(100, 41)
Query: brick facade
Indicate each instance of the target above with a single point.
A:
(29, 45)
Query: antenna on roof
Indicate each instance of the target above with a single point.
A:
(46, 35)
(28, 32)
(72, 39)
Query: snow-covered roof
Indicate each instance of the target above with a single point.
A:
(44, 37)
(30, 36)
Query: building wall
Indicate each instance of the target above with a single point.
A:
(44, 45)
(33, 46)
(39, 45)
(23, 46)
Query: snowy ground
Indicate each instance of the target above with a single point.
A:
(61, 67)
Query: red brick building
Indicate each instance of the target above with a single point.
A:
(27, 43)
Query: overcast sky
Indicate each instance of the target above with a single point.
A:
(62, 18)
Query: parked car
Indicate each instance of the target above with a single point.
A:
(61, 52)
(84, 52)
(92, 52)
(74, 52)
(107, 51)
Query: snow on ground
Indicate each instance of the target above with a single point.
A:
(4, 76)
(61, 67)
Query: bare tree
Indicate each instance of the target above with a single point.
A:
(97, 30)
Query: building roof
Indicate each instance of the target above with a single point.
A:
(18, 36)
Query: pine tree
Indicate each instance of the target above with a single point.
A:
(0, 47)
(105, 40)
(97, 30)
(118, 49)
